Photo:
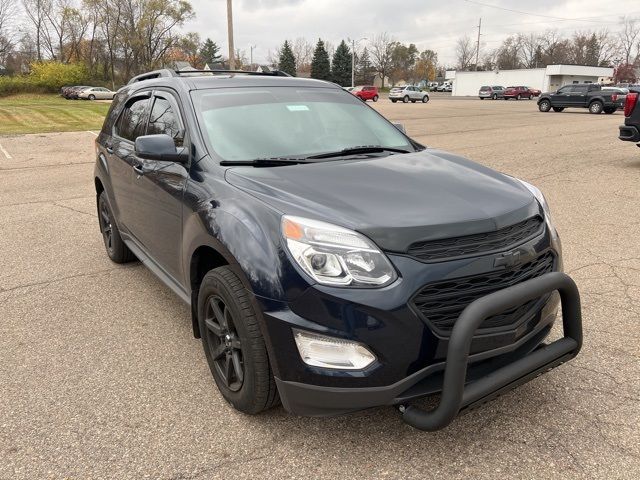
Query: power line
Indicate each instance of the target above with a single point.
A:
(524, 13)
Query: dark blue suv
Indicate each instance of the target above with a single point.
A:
(331, 262)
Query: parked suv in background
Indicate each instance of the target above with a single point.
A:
(518, 93)
(330, 261)
(582, 95)
(408, 93)
(493, 92)
(366, 92)
(630, 131)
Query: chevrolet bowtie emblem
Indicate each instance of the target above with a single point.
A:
(515, 257)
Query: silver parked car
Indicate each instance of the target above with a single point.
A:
(494, 92)
(96, 93)
(408, 93)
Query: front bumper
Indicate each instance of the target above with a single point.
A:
(465, 380)
(629, 133)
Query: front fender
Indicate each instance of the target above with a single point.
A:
(247, 234)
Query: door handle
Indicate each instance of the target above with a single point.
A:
(109, 148)
(138, 169)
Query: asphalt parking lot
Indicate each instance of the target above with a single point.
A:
(100, 376)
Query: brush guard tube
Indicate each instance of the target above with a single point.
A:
(455, 396)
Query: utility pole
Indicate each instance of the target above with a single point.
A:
(478, 44)
(353, 60)
(353, 63)
(251, 47)
(232, 52)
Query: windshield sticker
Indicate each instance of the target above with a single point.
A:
(298, 108)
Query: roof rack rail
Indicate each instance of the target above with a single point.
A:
(165, 72)
(272, 73)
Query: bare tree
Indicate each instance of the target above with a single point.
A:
(628, 39)
(35, 11)
(381, 51)
(8, 10)
(465, 52)
(303, 52)
(530, 50)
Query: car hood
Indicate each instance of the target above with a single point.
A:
(394, 200)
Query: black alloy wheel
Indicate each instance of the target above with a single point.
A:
(106, 226)
(223, 342)
(117, 250)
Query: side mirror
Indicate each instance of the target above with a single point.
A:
(400, 127)
(160, 147)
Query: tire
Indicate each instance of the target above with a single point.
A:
(405, 99)
(596, 107)
(117, 250)
(609, 110)
(495, 96)
(558, 109)
(544, 105)
(518, 97)
(233, 344)
(375, 98)
(425, 99)
(481, 98)
(92, 97)
(413, 101)
(394, 101)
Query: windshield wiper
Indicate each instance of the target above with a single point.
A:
(265, 162)
(362, 149)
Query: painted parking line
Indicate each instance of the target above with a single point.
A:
(6, 154)
(92, 133)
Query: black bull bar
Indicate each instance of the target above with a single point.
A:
(455, 395)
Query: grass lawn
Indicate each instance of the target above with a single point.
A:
(31, 113)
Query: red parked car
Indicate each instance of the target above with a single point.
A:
(520, 92)
(366, 92)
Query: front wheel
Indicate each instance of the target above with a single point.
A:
(544, 105)
(495, 97)
(518, 97)
(233, 344)
(375, 98)
(394, 101)
(425, 99)
(405, 99)
(92, 97)
(596, 107)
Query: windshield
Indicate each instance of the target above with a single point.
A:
(244, 124)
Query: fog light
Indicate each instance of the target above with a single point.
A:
(329, 352)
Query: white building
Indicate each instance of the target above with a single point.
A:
(545, 79)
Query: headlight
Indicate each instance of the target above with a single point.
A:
(333, 255)
(330, 352)
(543, 202)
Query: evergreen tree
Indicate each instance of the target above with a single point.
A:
(341, 65)
(210, 53)
(287, 60)
(320, 65)
(592, 51)
(364, 70)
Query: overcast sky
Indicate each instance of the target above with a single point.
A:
(427, 23)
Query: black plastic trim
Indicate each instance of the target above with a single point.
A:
(629, 133)
(455, 396)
